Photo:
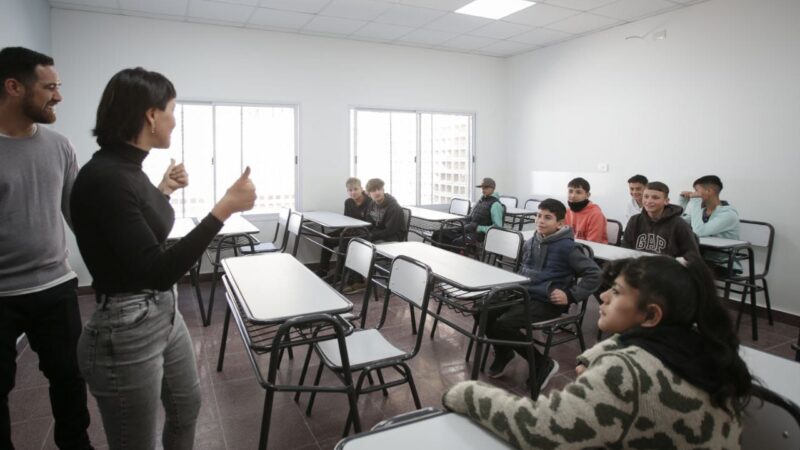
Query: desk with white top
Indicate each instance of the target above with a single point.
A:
(278, 303)
(464, 284)
(604, 252)
(334, 230)
(520, 216)
(426, 222)
(437, 430)
(778, 374)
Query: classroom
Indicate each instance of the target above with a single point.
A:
(573, 202)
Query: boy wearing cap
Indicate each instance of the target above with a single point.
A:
(486, 213)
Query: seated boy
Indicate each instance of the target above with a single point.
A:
(553, 262)
(636, 185)
(486, 213)
(584, 217)
(660, 228)
(355, 206)
(710, 216)
(384, 213)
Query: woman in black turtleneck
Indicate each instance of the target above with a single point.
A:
(136, 350)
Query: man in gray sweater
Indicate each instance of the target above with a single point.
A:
(38, 289)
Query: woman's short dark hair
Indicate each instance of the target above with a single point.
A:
(126, 99)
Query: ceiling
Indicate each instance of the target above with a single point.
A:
(416, 23)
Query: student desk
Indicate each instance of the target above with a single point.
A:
(424, 222)
(778, 374)
(731, 247)
(604, 252)
(346, 227)
(519, 217)
(235, 227)
(278, 303)
(463, 284)
(427, 428)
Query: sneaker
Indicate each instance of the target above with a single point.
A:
(500, 364)
(355, 288)
(546, 373)
(321, 273)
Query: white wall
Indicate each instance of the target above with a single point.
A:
(720, 95)
(25, 23)
(324, 76)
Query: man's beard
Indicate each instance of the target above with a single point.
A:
(36, 113)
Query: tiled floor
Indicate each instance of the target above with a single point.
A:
(233, 400)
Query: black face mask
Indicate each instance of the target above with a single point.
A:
(577, 206)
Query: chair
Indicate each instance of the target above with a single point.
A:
(460, 207)
(278, 242)
(532, 204)
(770, 422)
(406, 223)
(760, 235)
(369, 351)
(293, 229)
(509, 201)
(233, 242)
(569, 326)
(360, 260)
(614, 230)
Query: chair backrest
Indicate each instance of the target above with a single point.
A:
(760, 235)
(532, 204)
(293, 229)
(770, 421)
(460, 206)
(279, 240)
(509, 201)
(614, 230)
(360, 257)
(503, 248)
(411, 280)
(406, 223)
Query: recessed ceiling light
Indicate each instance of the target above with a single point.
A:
(494, 9)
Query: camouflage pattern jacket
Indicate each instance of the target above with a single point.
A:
(626, 398)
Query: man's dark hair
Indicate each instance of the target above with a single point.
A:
(658, 186)
(579, 183)
(554, 206)
(126, 99)
(20, 64)
(641, 179)
(709, 180)
(374, 184)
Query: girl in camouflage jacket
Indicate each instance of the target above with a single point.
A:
(671, 378)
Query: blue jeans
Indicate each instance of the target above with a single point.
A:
(134, 351)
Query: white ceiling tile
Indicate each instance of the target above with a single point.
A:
(355, 9)
(382, 31)
(91, 3)
(306, 6)
(465, 42)
(505, 48)
(583, 23)
(239, 2)
(219, 12)
(427, 37)
(442, 5)
(633, 9)
(580, 5)
(333, 25)
(540, 15)
(279, 19)
(500, 30)
(457, 23)
(408, 16)
(541, 36)
(169, 7)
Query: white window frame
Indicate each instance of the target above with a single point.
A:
(214, 103)
(472, 157)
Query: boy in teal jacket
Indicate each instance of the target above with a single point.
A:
(711, 217)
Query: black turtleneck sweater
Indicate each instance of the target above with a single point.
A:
(121, 222)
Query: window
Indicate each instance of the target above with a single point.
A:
(217, 141)
(424, 158)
